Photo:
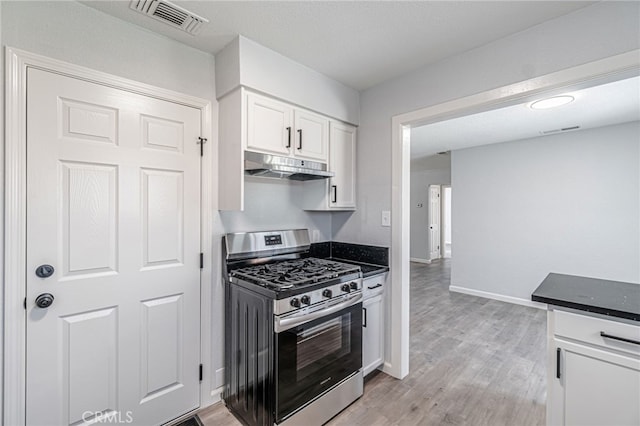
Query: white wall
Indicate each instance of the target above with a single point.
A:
(81, 35)
(245, 62)
(446, 220)
(272, 204)
(420, 181)
(598, 31)
(2, 219)
(566, 203)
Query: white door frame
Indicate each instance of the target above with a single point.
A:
(14, 320)
(585, 75)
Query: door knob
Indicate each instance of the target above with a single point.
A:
(45, 271)
(44, 300)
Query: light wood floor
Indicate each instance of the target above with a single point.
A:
(474, 361)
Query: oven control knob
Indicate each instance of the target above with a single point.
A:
(354, 285)
(295, 302)
(327, 293)
(345, 288)
(306, 300)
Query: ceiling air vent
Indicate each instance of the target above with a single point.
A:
(171, 14)
(564, 129)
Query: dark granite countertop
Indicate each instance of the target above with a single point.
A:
(373, 260)
(368, 270)
(612, 298)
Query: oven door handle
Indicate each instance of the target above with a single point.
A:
(283, 324)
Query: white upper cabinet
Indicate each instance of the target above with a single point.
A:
(275, 127)
(338, 192)
(268, 125)
(312, 136)
(342, 161)
(254, 122)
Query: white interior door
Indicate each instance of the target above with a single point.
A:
(113, 204)
(434, 222)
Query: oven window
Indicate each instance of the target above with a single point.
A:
(329, 339)
(315, 356)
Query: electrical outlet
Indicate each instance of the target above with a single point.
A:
(386, 218)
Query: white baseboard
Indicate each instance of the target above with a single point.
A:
(417, 260)
(496, 296)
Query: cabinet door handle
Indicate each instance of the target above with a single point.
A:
(364, 320)
(558, 352)
(622, 339)
(289, 137)
(335, 193)
(375, 286)
(299, 138)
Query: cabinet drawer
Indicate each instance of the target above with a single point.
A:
(373, 286)
(590, 329)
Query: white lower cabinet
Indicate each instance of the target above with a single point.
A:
(373, 323)
(593, 373)
(372, 334)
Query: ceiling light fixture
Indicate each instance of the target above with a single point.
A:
(553, 102)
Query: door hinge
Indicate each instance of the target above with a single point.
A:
(201, 260)
(200, 372)
(201, 142)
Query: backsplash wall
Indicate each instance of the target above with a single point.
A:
(272, 204)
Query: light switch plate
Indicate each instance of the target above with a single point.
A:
(386, 218)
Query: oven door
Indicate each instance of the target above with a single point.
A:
(312, 357)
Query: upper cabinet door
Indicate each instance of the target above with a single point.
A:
(269, 125)
(312, 136)
(342, 162)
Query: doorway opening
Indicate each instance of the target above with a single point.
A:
(427, 173)
(582, 76)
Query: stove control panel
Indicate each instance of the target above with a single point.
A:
(316, 299)
(273, 240)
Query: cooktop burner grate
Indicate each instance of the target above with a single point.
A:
(292, 273)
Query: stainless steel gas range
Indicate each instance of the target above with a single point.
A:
(293, 344)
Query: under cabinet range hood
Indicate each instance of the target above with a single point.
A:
(273, 166)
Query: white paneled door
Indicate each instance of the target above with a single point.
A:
(113, 205)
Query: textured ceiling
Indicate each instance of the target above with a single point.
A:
(603, 105)
(359, 43)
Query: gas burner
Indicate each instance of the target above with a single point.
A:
(294, 273)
